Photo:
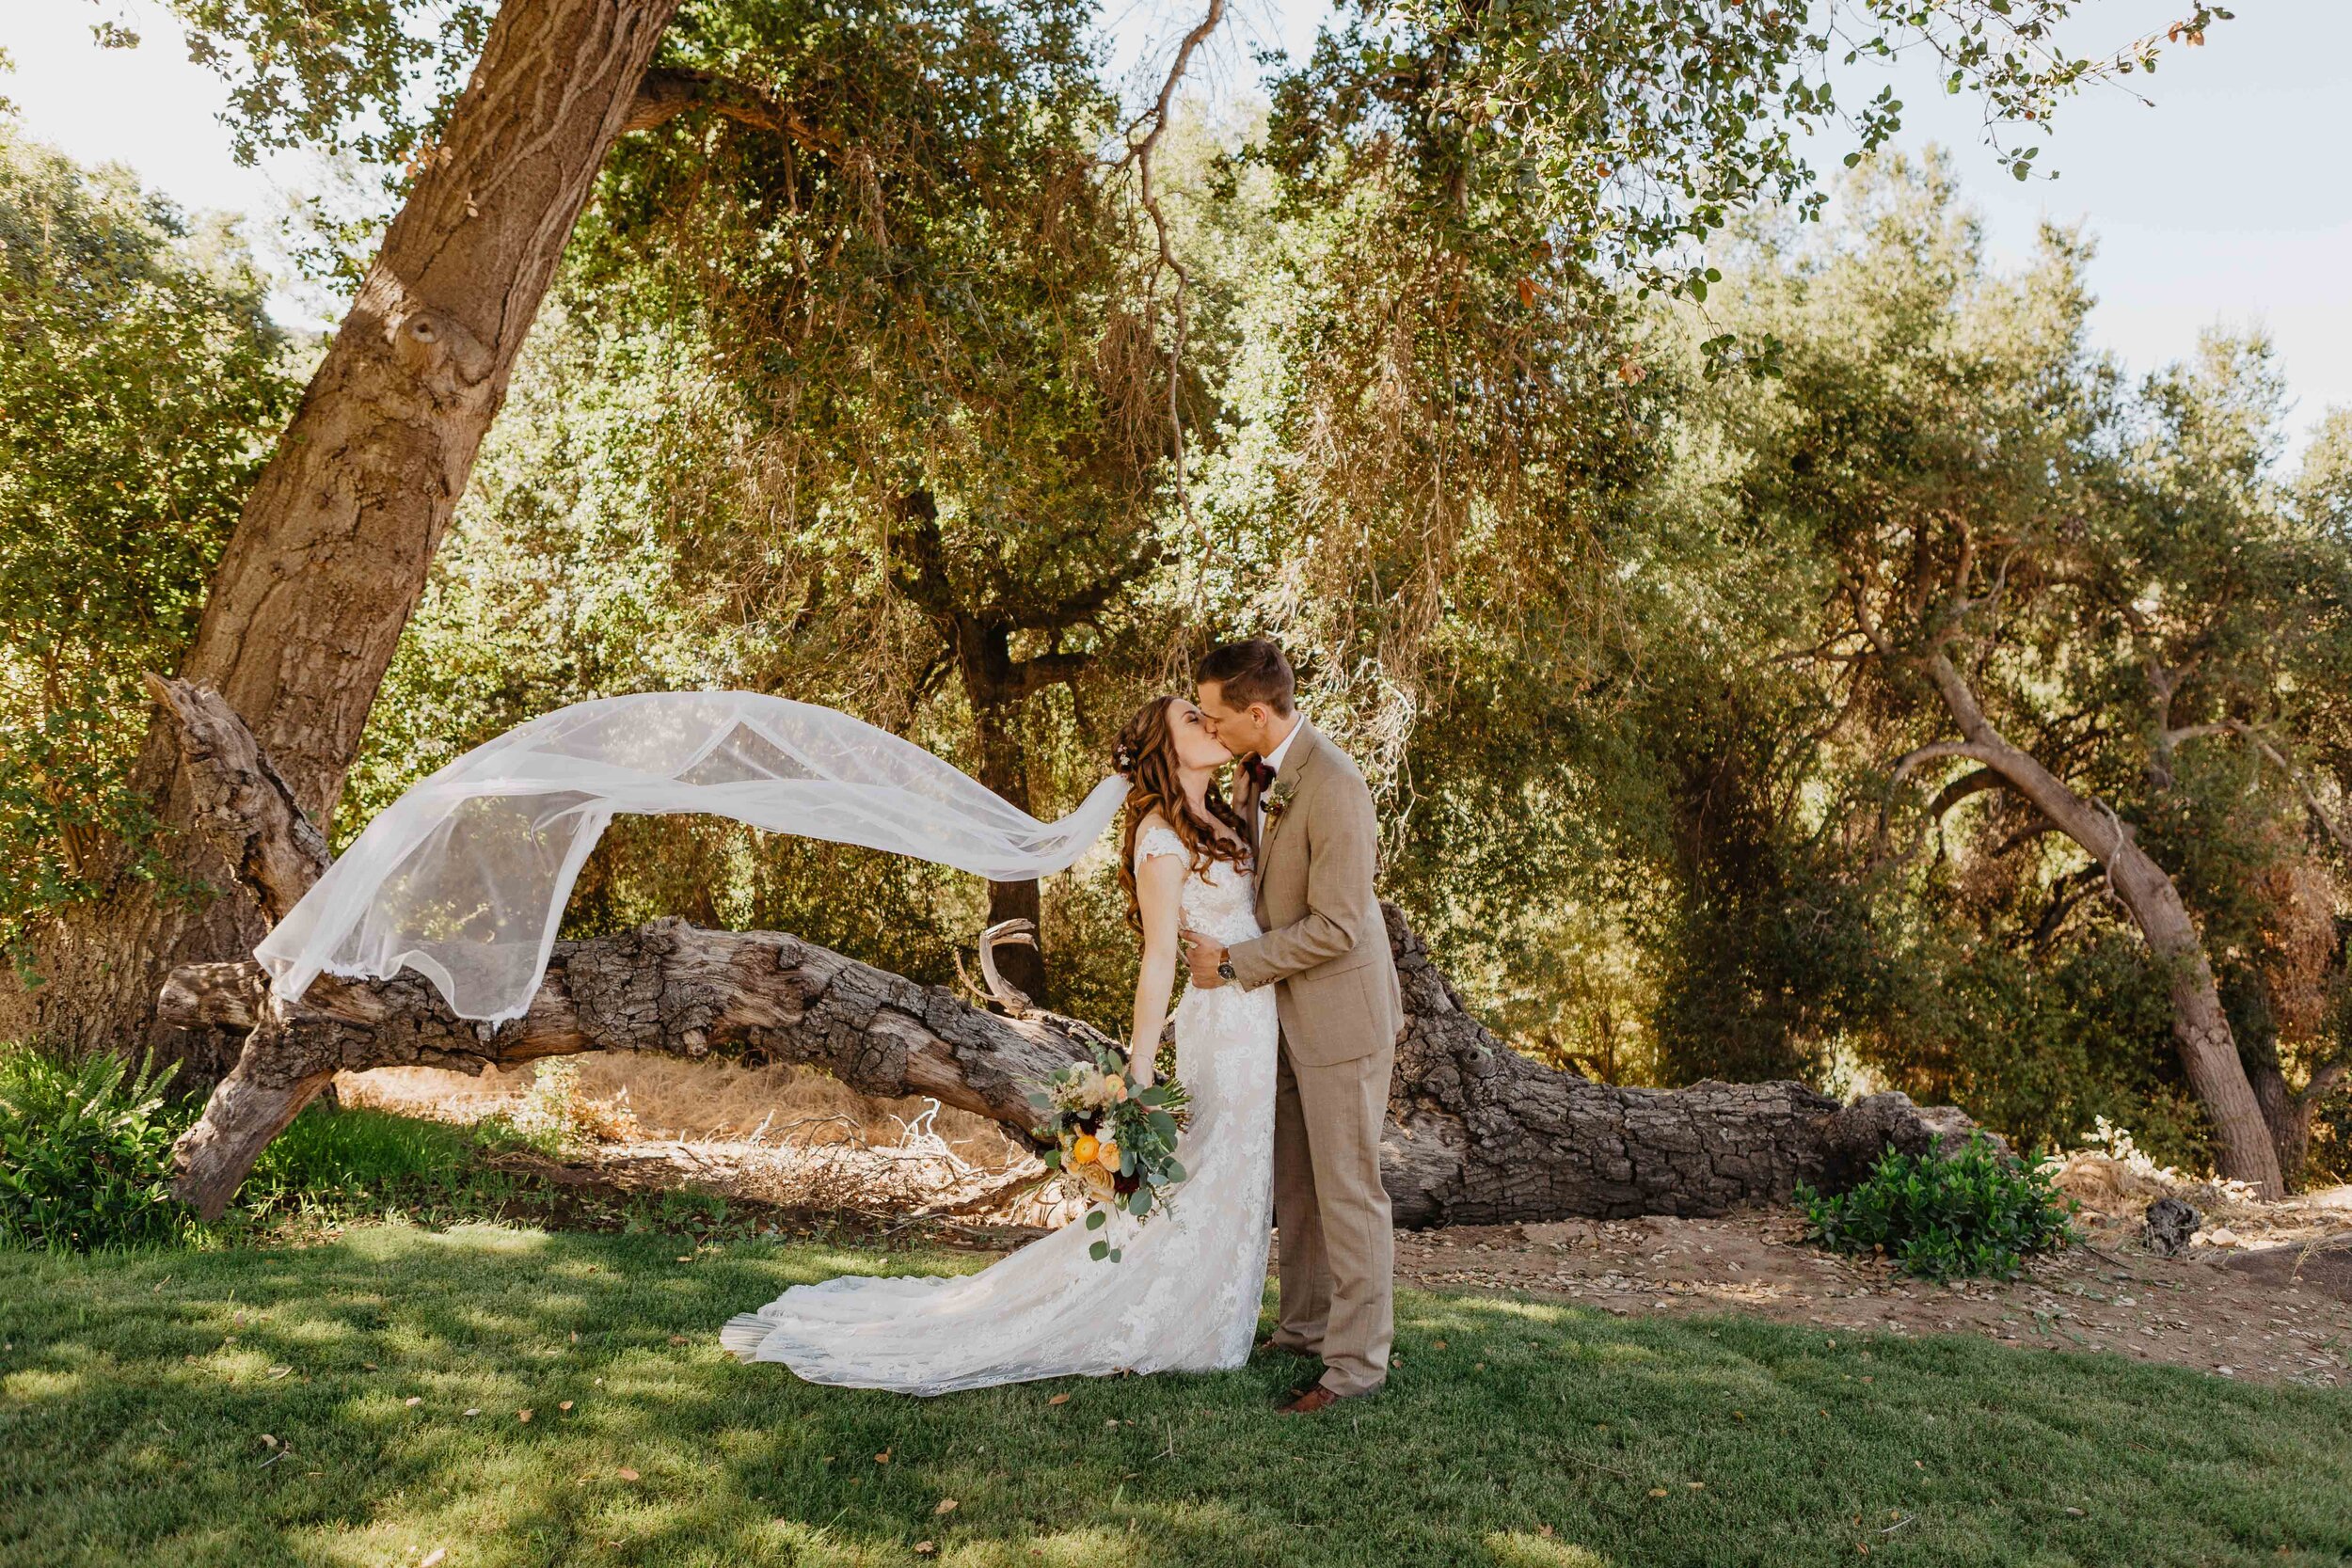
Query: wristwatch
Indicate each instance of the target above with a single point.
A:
(1225, 969)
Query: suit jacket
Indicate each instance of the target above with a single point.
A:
(1326, 947)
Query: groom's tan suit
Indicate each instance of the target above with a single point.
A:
(1326, 951)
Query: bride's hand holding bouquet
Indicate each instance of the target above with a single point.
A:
(1112, 1137)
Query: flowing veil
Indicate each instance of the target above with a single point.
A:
(463, 879)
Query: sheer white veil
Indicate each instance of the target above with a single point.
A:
(463, 879)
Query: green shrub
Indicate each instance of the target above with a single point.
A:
(84, 1153)
(1974, 1212)
(329, 1154)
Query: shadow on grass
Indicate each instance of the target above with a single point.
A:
(255, 1408)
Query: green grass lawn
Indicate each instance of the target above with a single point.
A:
(139, 1396)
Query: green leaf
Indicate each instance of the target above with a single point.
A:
(1095, 1219)
(1099, 1251)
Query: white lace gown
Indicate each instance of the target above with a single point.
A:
(1184, 1295)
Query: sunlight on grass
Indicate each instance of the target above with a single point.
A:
(480, 1236)
(1520, 1549)
(46, 1384)
(135, 1420)
(1545, 1313)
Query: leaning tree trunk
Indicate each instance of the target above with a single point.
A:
(1476, 1133)
(2200, 1030)
(331, 553)
(2289, 1112)
(1004, 767)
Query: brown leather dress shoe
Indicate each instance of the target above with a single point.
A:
(1316, 1399)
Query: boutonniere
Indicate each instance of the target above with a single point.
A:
(1277, 800)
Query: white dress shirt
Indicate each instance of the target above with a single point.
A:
(1274, 759)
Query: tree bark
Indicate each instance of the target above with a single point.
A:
(997, 688)
(1477, 1132)
(1480, 1135)
(2287, 1111)
(331, 552)
(997, 699)
(2200, 1030)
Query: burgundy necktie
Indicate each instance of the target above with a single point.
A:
(1261, 772)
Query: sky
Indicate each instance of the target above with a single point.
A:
(2226, 203)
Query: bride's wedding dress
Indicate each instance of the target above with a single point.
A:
(1184, 1295)
(465, 879)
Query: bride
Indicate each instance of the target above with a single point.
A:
(464, 880)
(1184, 1295)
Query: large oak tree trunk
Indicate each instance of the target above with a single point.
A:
(331, 551)
(996, 709)
(1476, 1133)
(2200, 1030)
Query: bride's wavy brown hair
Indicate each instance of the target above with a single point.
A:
(1145, 754)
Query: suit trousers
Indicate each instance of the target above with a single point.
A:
(1335, 1244)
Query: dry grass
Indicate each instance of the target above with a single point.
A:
(778, 1133)
(685, 1101)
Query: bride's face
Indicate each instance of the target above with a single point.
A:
(1189, 735)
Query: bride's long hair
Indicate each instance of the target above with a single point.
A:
(1145, 754)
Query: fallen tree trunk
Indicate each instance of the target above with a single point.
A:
(1479, 1135)
(1477, 1132)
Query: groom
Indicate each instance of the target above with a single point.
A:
(1326, 951)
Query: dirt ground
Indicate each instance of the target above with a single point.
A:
(2280, 1309)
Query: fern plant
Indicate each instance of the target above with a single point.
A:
(1975, 1211)
(86, 1152)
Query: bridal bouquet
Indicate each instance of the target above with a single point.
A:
(1112, 1142)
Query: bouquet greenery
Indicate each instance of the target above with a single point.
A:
(1113, 1143)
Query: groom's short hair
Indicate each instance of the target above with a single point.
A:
(1252, 670)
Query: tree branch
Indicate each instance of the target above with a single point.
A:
(1960, 790)
(1939, 751)
(1140, 154)
(669, 92)
(1869, 622)
(2302, 785)
(1043, 670)
(237, 798)
(2065, 894)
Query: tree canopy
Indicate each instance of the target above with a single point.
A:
(1783, 647)
(140, 387)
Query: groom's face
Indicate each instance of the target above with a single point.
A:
(1238, 730)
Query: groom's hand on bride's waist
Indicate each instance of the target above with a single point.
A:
(1202, 956)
